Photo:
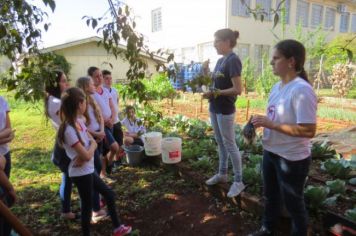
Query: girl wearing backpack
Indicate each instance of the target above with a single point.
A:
(59, 157)
(80, 147)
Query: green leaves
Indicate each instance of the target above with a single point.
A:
(36, 73)
(337, 168)
(2, 31)
(316, 196)
(19, 30)
(336, 186)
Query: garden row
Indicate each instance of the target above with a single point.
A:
(331, 186)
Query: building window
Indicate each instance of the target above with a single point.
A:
(156, 20)
(242, 50)
(344, 22)
(264, 7)
(302, 13)
(240, 9)
(317, 15)
(329, 19)
(353, 25)
(285, 6)
(261, 51)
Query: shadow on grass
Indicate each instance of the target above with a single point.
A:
(35, 160)
(38, 207)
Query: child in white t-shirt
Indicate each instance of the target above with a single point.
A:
(134, 128)
(103, 97)
(95, 124)
(117, 130)
(80, 147)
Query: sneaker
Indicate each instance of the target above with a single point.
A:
(216, 179)
(122, 230)
(235, 189)
(70, 216)
(99, 216)
(108, 180)
(263, 231)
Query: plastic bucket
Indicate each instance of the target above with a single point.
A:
(152, 143)
(134, 154)
(171, 150)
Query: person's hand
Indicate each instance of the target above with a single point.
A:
(207, 95)
(108, 123)
(12, 195)
(100, 136)
(126, 133)
(92, 141)
(78, 162)
(12, 134)
(262, 121)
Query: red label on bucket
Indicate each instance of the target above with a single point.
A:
(173, 155)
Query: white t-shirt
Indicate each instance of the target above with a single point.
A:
(94, 124)
(70, 140)
(54, 104)
(4, 109)
(133, 127)
(115, 101)
(295, 103)
(103, 100)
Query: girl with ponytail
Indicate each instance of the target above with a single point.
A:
(289, 125)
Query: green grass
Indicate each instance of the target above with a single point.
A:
(331, 93)
(336, 113)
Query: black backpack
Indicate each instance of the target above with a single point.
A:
(60, 158)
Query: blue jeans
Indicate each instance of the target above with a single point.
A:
(86, 184)
(284, 180)
(224, 129)
(65, 192)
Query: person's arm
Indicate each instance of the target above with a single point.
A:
(83, 154)
(295, 130)
(113, 113)
(4, 181)
(99, 135)
(7, 134)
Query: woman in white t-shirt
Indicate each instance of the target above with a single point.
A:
(52, 106)
(80, 147)
(289, 125)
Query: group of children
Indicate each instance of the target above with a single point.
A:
(89, 142)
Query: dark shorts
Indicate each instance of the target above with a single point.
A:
(108, 141)
(118, 134)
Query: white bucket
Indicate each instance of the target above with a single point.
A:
(171, 150)
(152, 143)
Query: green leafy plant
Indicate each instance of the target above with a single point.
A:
(338, 168)
(158, 87)
(197, 128)
(316, 196)
(322, 150)
(336, 186)
(248, 75)
(266, 80)
(351, 214)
